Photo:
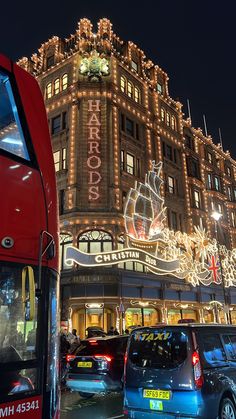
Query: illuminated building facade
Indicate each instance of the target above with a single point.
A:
(110, 115)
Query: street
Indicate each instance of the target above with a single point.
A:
(100, 407)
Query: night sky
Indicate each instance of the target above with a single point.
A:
(193, 41)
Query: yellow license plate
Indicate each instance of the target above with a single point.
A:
(85, 364)
(156, 394)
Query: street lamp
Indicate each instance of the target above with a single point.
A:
(217, 216)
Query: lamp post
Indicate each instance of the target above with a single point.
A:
(217, 216)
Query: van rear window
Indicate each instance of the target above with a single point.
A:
(160, 348)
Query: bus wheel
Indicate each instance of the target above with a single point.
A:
(227, 409)
(86, 395)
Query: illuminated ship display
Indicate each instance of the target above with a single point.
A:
(144, 212)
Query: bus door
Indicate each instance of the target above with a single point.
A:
(20, 383)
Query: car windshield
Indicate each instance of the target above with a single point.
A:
(160, 348)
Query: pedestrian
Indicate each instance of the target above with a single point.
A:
(76, 337)
(116, 332)
(64, 344)
(126, 331)
(111, 331)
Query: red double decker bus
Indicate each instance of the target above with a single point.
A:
(29, 279)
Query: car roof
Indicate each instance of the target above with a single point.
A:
(186, 325)
(109, 337)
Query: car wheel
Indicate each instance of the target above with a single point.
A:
(227, 409)
(86, 395)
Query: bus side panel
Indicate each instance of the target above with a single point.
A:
(22, 209)
(36, 117)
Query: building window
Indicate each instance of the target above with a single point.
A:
(95, 241)
(49, 91)
(233, 219)
(160, 88)
(163, 114)
(220, 208)
(123, 84)
(209, 157)
(209, 181)
(134, 65)
(217, 183)
(168, 153)
(64, 120)
(64, 81)
(130, 164)
(50, 61)
(63, 166)
(173, 122)
(130, 89)
(174, 221)
(138, 168)
(229, 189)
(122, 163)
(56, 124)
(61, 201)
(137, 95)
(129, 127)
(189, 142)
(56, 86)
(171, 184)
(65, 241)
(228, 171)
(193, 168)
(167, 119)
(197, 201)
(56, 157)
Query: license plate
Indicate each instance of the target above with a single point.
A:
(156, 394)
(84, 364)
(156, 405)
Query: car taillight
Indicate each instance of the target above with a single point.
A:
(70, 357)
(106, 357)
(197, 370)
(125, 362)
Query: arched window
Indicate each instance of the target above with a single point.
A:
(167, 119)
(65, 241)
(95, 241)
(163, 114)
(56, 86)
(137, 95)
(64, 81)
(173, 122)
(49, 90)
(130, 89)
(123, 84)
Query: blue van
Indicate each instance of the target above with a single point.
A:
(183, 371)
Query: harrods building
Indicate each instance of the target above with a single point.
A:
(110, 116)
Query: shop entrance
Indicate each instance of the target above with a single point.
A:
(174, 315)
(140, 316)
(97, 317)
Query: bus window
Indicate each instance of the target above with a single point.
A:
(11, 134)
(17, 328)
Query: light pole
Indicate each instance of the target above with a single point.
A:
(217, 216)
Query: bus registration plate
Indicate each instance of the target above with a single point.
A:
(84, 364)
(157, 394)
